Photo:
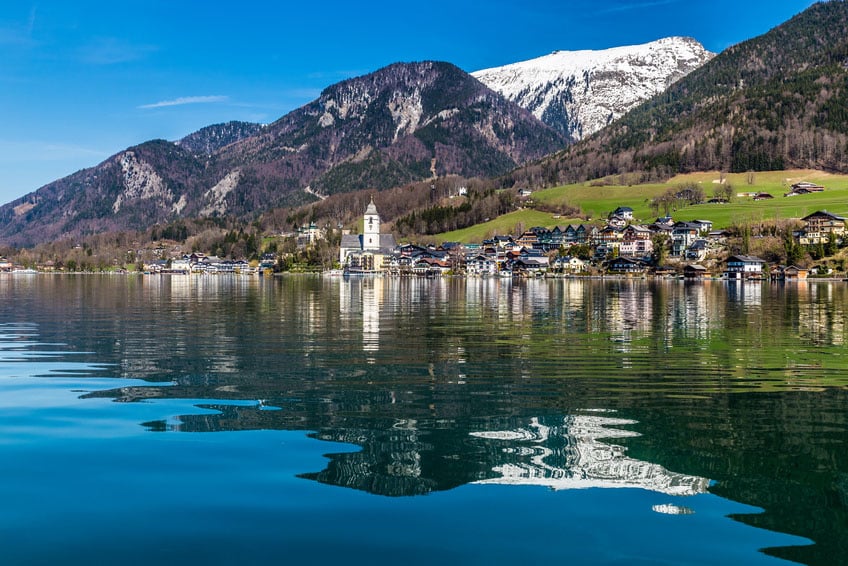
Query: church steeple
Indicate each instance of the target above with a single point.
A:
(371, 233)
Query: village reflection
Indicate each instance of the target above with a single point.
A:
(360, 303)
(556, 452)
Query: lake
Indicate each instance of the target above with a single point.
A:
(213, 419)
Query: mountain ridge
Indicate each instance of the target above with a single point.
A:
(405, 122)
(776, 101)
(579, 92)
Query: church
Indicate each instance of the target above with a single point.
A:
(364, 253)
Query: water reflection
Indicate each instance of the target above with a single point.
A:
(570, 455)
(442, 383)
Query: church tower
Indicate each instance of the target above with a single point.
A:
(371, 233)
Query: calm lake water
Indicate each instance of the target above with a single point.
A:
(165, 420)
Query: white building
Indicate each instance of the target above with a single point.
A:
(365, 252)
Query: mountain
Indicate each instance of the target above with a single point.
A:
(210, 139)
(406, 122)
(774, 102)
(579, 92)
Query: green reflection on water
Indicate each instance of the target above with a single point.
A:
(741, 384)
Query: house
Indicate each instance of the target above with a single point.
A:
(664, 271)
(611, 235)
(637, 241)
(430, 266)
(719, 236)
(308, 234)
(480, 264)
(627, 266)
(684, 235)
(181, 265)
(695, 271)
(617, 221)
(706, 225)
(762, 196)
(744, 267)
(624, 212)
(666, 221)
(528, 239)
(790, 273)
(697, 251)
(819, 226)
(569, 264)
(636, 248)
(808, 187)
(528, 266)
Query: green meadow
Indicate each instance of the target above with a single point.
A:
(597, 201)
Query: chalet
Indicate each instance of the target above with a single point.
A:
(719, 236)
(528, 239)
(790, 273)
(636, 232)
(430, 266)
(807, 187)
(480, 265)
(666, 221)
(617, 221)
(695, 271)
(611, 235)
(626, 265)
(624, 212)
(744, 267)
(308, 234)
(569, 264)
(819, 226)
(528, 266)
(706, 225)
(500, 242)
(581, 234)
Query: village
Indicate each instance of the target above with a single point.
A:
(620, 246)
(664, 248)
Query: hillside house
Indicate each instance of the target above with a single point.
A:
(624, 212)
(819, 226)
(684, 235)
(697, 251)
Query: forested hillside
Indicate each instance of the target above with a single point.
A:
(776, 101)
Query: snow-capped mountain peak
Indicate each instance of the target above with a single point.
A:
(580, 92)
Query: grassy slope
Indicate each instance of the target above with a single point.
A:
(597, 202)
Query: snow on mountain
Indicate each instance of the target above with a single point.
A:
(580, 92)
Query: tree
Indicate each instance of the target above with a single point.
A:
(660, 242)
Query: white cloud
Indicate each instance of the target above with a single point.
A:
(187, 100)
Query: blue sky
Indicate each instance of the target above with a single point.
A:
(82, 80)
